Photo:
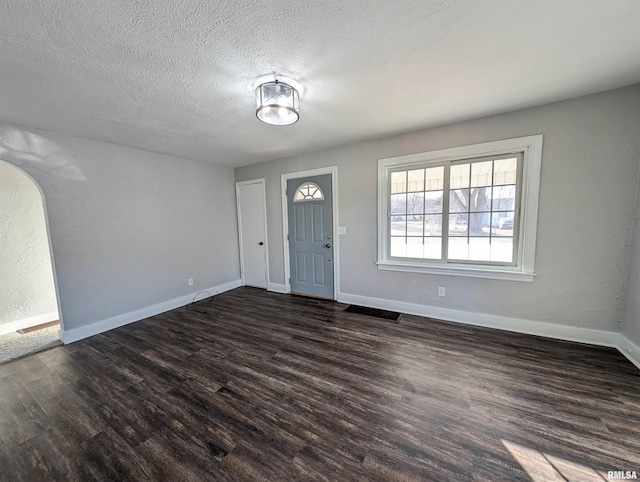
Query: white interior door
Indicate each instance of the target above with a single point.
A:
(252, 227)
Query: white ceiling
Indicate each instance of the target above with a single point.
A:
(177, 76)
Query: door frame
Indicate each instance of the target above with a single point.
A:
(262, 182)
(333, 171)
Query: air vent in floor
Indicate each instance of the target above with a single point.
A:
(363, 310)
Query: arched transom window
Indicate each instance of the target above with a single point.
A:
(308, 191)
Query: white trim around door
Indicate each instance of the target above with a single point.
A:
(333, 170)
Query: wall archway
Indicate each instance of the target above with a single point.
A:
(27, 267)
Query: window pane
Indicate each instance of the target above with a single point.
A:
(480, 199)
(398, 226)
(433, 225)
(433, 248)
(424, 248)
(502, 250)
(433, 202)
(416, 180)
(480, 224)
(505, 171)
(399, 181)
(470, 249)
(415, 202)
(479, 249)
(504, 198)
(398, 203)
(415, 226)
(458, 249)
(505, 224)
(435, 178)
(493, 222)
(308, 191)
(398, 247)
(459, 176)
(458, 224)
(481, 173)
(459, 200)
(415, 248)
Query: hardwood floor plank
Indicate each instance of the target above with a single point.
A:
(50, 456)
(22, 416)
(253, 462)
(111, 458)
(174, 460)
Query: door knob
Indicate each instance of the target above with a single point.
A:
(260, 243)
(327, 245)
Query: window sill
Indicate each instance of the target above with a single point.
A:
(469, 272)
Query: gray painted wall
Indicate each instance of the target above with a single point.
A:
(587, 202)
(631, 323)
(26, 278)
(128, 227)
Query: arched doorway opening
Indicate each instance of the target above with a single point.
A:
(29, 302)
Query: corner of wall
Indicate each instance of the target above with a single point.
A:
(629, 349)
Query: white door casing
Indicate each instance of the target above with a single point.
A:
(252, 232)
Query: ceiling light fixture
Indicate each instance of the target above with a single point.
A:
(277, 103)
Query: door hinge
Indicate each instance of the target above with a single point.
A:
(289, 280)
(287, 237)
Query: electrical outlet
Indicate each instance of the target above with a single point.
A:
(441, 291)
(190, 281)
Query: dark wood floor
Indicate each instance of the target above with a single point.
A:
(252, 385)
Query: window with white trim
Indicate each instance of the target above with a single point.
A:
(464, 211)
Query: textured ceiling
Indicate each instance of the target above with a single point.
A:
(177, 76)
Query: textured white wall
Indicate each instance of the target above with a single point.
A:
(128, 227)
(587, 202)
(26, 279)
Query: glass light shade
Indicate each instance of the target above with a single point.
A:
(277, 103)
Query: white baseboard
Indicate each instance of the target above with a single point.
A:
(529, 327)
(13, 326)
(630, 350)
(75, 334)
(539, 328)
(277, 288)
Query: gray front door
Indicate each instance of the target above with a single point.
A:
(309, 205)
